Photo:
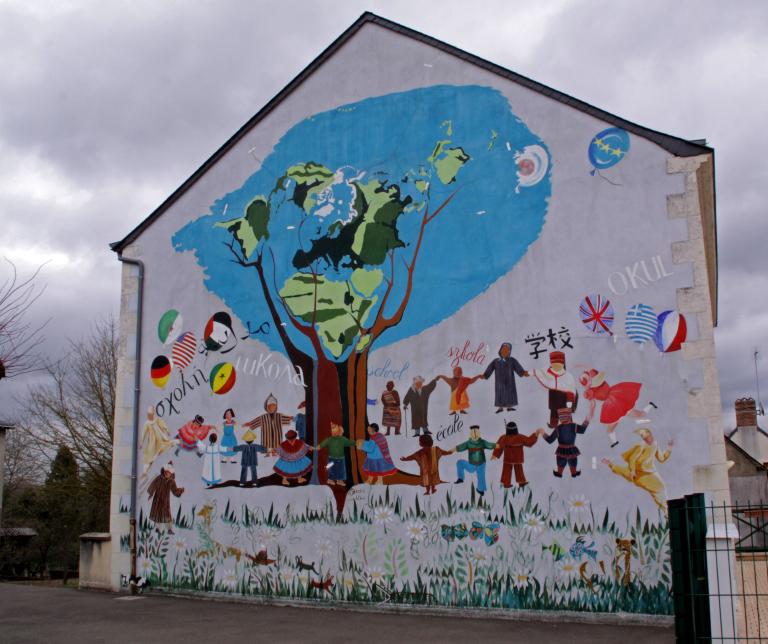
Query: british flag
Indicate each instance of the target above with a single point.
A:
(597, 314)
(184, 350)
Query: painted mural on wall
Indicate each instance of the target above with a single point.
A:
(318, 432)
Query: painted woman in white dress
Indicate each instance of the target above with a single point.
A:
(211, 453)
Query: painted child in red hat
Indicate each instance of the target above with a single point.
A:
(560, 384)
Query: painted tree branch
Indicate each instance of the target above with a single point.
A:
(293, 352)
(383, 322)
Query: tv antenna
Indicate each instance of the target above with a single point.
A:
(760, 408)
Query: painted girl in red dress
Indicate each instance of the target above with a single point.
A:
(618, 400)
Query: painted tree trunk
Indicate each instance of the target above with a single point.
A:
(326, 392)
(356, 377)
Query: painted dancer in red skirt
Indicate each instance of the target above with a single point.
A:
(618, 400)
(293, 462)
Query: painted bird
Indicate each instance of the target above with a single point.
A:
(580, 548)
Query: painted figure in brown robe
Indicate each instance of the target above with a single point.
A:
(511, 447)
(391, 416)
(428, 458)
(160, 490)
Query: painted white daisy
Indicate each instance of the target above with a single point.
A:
(287, 576)
(478, 556)
(145, 566)
(415, 530)
(230, 578)
(383, 515)
(267, 535)
(179, 543)
(348, 582)
(579, 505)
(521, 578)
(325, 547)
(376, 574)
(567, 568)
(533, 525)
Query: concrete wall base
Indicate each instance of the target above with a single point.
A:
(615, 619)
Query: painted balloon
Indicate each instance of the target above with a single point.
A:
(641, 323)
(597, 314)
(184, 350)
(532, 165)
(160, 371)
(607, 148)
(671, 331)
(223, 377)
(169, 326)
(218, 334)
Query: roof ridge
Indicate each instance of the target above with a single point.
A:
(673, 144)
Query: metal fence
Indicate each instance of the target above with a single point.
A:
(719, 570)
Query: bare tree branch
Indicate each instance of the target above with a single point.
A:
(19, 338)
(76, 406)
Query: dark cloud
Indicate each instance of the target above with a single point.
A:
(108, 107)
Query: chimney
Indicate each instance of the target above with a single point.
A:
(746, 412)
(747, 435)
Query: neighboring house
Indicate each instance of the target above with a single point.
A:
(747, 447)
(407, 218)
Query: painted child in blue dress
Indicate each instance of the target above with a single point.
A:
(228, 440)
(378, 462)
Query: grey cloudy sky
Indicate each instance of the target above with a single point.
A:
(107, 107)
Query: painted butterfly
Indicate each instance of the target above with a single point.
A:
(451, 532)
(489, 532)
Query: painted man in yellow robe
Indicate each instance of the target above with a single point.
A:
(155, 439)
(640, 467)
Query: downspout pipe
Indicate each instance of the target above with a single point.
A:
(135, 438)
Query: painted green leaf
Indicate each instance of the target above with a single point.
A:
(310, 180)
(249, 230)
(448, 161)
(337, 315)
(365, 281)
(380, 205)
(363, 342)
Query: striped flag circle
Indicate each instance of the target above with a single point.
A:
(641, 323)
(184, 350)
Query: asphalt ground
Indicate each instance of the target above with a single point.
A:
(30, 613)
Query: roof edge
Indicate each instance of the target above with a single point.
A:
(675, 145)
(749, 456)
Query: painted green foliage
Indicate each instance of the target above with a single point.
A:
(338, 298)
(252, 228)
(391, 550)
(339, 309)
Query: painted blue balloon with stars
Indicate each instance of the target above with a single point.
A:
(607, 148)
